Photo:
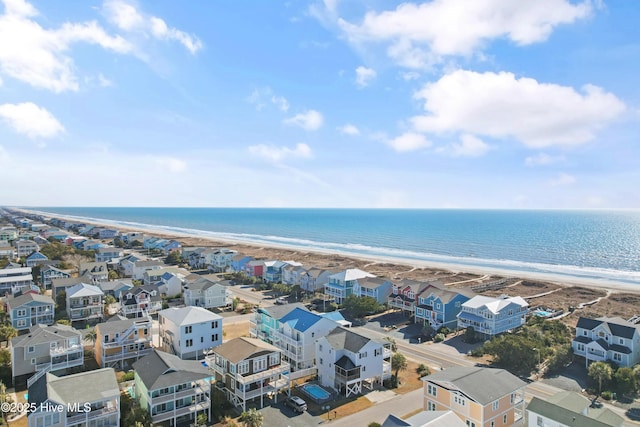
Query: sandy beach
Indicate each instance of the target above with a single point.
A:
(600, 297)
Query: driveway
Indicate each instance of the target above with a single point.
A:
(283, 416)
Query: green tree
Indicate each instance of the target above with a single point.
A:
(7, 332)
(113, 275)
(252, 418)
(423, 370)
(361, 306)
(174, 258)
(136, 244)
(636, 375)
(600, 372)
(5, 358)
(562, 357)
(61, 301)
(5, 398)
(470, 335)
(63, 322)
(281, 289)
(398, 363)
(202, 420)
(91, 336)
(625, 380)
(374, 424)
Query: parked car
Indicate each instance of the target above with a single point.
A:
(296, 403)
(282, 300)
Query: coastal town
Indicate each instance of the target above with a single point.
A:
(107, 326)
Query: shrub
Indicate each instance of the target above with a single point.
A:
(374, 424)
(129, 376)
(606, 395)
(438, 338)
(444, 330)
(477, 352)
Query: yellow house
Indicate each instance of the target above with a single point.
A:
(121, 341)
(480, 397)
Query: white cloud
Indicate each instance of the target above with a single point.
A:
(409, 141)
(310, 120)
(420, 34)
(261, 97)
(542, 159)
(364, 76)
(38, 56)
(410, 75)
(277, 154)
(172, 164)
(500, 105)
(562, 179)
(469, 146)
(103, 81)
(30, 120)
(126, 17)
(349, 129)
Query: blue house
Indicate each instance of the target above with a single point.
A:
(273, 271)
(35, 258)
(49, 272)
(239, 261)
(29, 309)
(438, 307)
(374, 287)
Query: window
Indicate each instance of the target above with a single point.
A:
(539, 421)
(580, 347)
(31, 349)
(274, 359)
(471, 423)
(22, 312)
(438, 306)
(504, 419)
(243, 367)
(145, 331)
(495, 404)
(459, 400)
(431, 406)
(621, 341)
(33, 361)
(513, 397)
(214, 324)
(493, 424)
(320, 347)
(321, 361)
(617, 357)
(432, 390)
(214, 337)
(189, 343)
(188, 329)
(259, 364)
(21, 323)
(201, 339)
(584, 333)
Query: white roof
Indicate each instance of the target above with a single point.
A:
(83, 290)
(494, 304)
(22, 278)
(188, 315)
(15, 271)
(351, 274)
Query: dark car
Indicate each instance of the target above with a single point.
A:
(296, 403)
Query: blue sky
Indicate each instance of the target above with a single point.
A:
(436, 104)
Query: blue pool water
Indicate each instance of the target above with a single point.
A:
(316, 392)
(26, 397)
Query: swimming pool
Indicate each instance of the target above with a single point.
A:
(543, 313)
(316, 392)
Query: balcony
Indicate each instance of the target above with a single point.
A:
(93, 414)
(282, 369)
(69, 363)
(188, 392)
(344, 376)
(61, 351)
(123, 343)
(179, 412)
(126, 355)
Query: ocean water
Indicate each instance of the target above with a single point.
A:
(589, 244)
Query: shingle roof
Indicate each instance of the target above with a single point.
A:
(372, 282)
(116, 325)
(620, 327)
(27, 298)
(159, 370)
(188, 315)
(562, 415)
(279, 311)
(90, 386)
(586, 323)
(241, 348)
(570, 400)
(473, 381)
(344, 338)
(40, 334)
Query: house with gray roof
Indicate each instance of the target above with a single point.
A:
(607, 339)
(294, 330)
(489, 316)
(84, 302)
(29, 309)
(121, 341)
(172, 389)
(50, 272)
(140, 301)
(377, 288)
(478, 396)
(248, 369)
(86, 399)
(439, 307)
(425, 419)
(96, 271)
(206, 293)
(568, 409)
(348, 361)
(189, 332)
(46, 348)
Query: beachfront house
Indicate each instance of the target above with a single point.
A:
(569, 409)
(84, 303)
(314, 279)
(438, 307)
(121, 341)
(607, 339)
(377, 288)
(238, 262)
(172, 390)
(29, 309)
(206, 293)
(255, 268)
(217, 259)
(248, 369)
(97, 389)
(405, 293)
(478, 396)
(46, 348)
(140, 301)
(348, 361)
(49, 272)
(189, 331)
(14, 279)
(292, 273)
(294, 330)
(489, 316)
(341, 284)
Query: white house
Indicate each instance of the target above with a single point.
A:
(140, 267)
(341, 284)
(493, 315)
(24, 247)
(14, 279)
(84, 302)
(348, 361)
(206, 293)
(607, 339)
(294, 330)
(188, 332)
(107, 253)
